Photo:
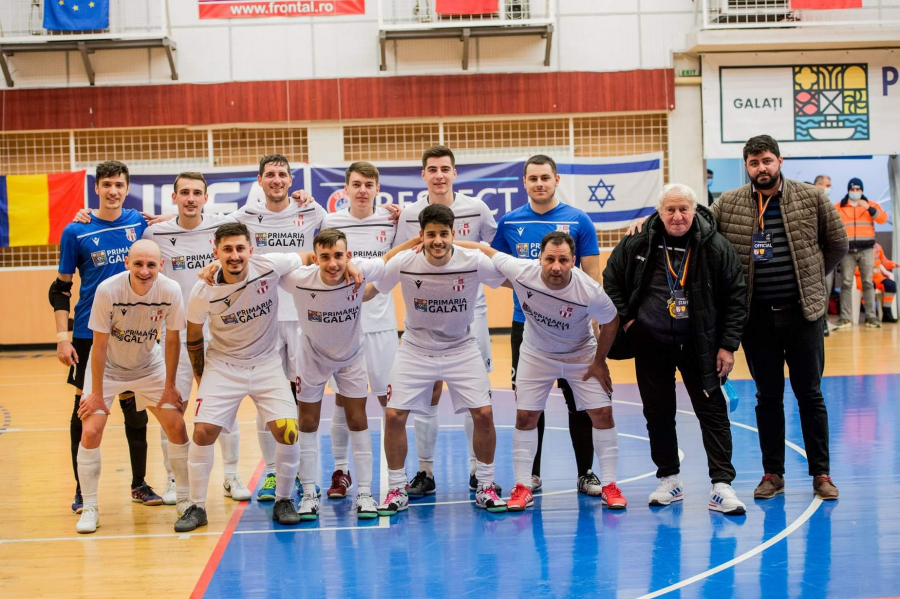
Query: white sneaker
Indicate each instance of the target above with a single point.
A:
(182, 506)
(235, 489)
(722, 498)
(669, 490)
(536, 483)
(366, 507)
(309, 507)
(89, 521)
(168, 495)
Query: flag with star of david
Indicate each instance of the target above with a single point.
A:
(76, 15)
(613, 191)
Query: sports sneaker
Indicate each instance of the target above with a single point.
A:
(824, 488)
(473, 484)
(396, 501)
(77, 503)
(612, 496)
(487, 499)
(589, 484)
(873, 324)
(522, 498)
(722, 498)
(340, 484)
(192, 518)
(309, 507)
(144, 494)
(669, 490)
(284, 512)
(843, 324)
(235, 489)
(267, 491)
(366, 508)
(89, 521)
(770, 486)
(299, 486)
(169, 497)
(536, 483)
(421, 485)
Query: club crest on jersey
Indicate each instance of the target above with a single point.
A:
(262, 240)
(178, 263)
(96, 240)
(212, 238)
(522, 250)
(157, 316)
(99, 258)
(458, 284)
(130, 234)
(229, 319)
(563, 228)
(565, 311)
(464, 230)
(381, 236)
(261, 286)
(352, 294)
(298, 220)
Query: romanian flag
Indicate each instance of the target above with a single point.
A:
(34, 209)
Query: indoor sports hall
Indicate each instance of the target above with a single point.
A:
(627, 96)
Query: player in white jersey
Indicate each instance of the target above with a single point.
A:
(370, 232)
(126, 315)
(186, 243)
(473, 221)
(559, 302)
(440, 287)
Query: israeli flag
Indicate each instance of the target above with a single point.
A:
(613, 191)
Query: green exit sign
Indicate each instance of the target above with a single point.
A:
(689, 73)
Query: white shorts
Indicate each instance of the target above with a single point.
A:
(184, 380)
(147, 390)
(381, 351)
(414, 374)
(224, 386)
(288, 347)
(536, 375)
(313, 374)
(482, 335)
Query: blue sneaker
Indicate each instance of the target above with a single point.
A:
(77, 503)
(299, 486)
(267, 492)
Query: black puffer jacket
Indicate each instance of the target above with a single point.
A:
(716, 289)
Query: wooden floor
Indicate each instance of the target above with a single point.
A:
(42, 556)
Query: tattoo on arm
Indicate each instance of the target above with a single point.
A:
(195, 352)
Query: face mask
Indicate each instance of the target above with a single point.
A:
(709, 183)
(827, 191)
(855, 195)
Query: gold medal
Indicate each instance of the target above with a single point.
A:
(671, 304)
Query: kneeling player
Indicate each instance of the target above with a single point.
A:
(127, 313)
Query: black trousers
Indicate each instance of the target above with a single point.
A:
(655, 365)
(580, 426)
(771, 339)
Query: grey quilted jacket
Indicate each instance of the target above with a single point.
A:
(814, 230)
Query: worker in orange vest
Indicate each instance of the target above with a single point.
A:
(883, 278)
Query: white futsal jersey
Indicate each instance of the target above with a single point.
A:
(243, 316)
(472, 221)
(557, 322)
(330, 315)
(439, 300)
(133, 322)
(291, 230)
(371, 237)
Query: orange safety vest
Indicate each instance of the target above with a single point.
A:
(881, 259)
(860, 225)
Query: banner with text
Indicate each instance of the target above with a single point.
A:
(249, 9)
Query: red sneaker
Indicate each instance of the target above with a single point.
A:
(612, 497)
(340, 484)
(521, 499)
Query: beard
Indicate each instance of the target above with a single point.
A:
(773, 181)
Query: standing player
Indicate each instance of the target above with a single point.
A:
(473, 221)
(519, 234)
(440, 286)
(128, 310)
(186, 244)
(559, 302)
(97, 251)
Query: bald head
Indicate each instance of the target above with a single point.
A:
(146, 248)
(143, 262)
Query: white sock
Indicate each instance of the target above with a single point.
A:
(88, 474)
(200, 464)
(231, 451)
(164, 445)
(397, 479)
(426, 427)
(524, 450)
(178, 457)
(266, 444)
(309, 460)
(340, 440)
(287, 460)
(484, 473)
(469, 425)
(606, 446)
(362, 458)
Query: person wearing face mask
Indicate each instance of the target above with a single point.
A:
(823, 182)
(859, 215)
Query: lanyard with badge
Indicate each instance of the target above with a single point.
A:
(762, 241)
(678, 302)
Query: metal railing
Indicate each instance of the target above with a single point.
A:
(21, 21)
(741, 14)
(434, 14)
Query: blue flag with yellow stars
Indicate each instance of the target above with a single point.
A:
(76, 15)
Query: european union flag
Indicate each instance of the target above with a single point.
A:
(76, 15)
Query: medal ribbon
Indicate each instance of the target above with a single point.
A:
(679, 277)
(762, 209)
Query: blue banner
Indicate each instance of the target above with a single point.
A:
(76, 15)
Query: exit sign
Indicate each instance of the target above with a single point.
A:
(689, 73)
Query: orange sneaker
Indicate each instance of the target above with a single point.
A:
(612, 497)
(521, 499)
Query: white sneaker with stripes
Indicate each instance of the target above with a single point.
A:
(722, 498)
(669, 490)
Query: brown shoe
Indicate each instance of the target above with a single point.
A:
(770, 486)
(824, 488)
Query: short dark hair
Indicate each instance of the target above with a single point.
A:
(821, 179)
(709, 171)
(232, 230)
(558, 238)
(540, 159)
(438, 152)
(366, 169)
(436, 213)
(193, 176)
(276, 159)
(759, 144)
(328, 238)
(112, 168)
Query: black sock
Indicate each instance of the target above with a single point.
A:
(136, 433)
(536, 467)
(580, 431)
(75, 439)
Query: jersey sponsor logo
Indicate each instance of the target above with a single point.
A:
(566, 311)
(563, 228)
(157, 316)
(261, 286)
(132, 336)
(440, 305)
(520, 230)
(336, 316)
(418, 283)
(464, 230)
(178, 263)
(522, 250)
(291, 239)
(173, 240)
(545, 320)
(105, 257)
(381, 236)
(337, 201)
(244, 316)
(261, 239)
(458, 284)
(96, 240)
(99, 258)
(357, 253)
(313, 316)
(229, 319)
(130, 234)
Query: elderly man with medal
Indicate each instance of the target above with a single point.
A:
(680, 290)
